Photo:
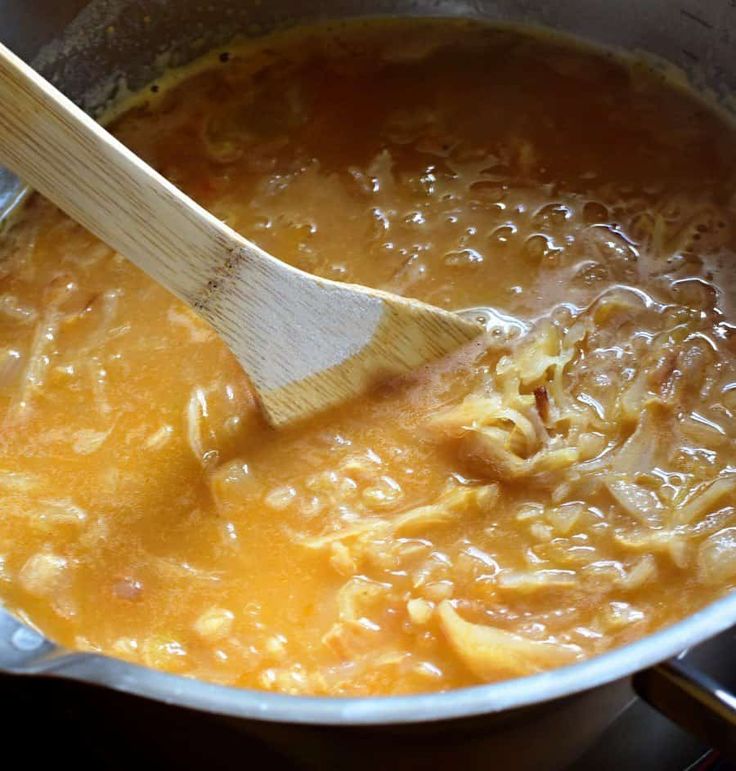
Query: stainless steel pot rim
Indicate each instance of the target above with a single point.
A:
(693, 39)
(381, 710)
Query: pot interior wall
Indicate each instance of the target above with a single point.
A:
(113, 39)
(92, 50)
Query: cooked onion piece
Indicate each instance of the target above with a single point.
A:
(494, 654)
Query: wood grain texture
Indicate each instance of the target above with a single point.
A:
(306, 343)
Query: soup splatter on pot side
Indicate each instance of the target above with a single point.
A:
(564, 488)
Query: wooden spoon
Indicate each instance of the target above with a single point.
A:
(305, 342)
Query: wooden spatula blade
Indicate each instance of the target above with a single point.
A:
(400, 345)
(308, 344)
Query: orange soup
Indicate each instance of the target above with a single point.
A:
(566, 487)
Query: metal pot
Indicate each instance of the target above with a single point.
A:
(90, 50)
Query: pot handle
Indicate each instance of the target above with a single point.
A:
(693, 700)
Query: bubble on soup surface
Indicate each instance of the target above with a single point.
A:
(552, 215)
(463, 258)
(612, 250)
(502, 236)
(595, 213)
(536, 248)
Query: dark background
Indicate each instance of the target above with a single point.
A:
(85, 727)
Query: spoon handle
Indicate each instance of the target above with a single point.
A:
(307, 343)
(61, 152)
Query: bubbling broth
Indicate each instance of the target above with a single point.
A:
(564, 487)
